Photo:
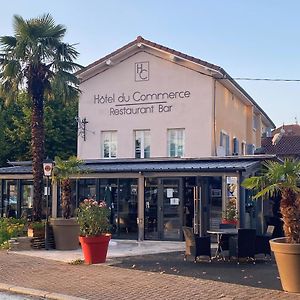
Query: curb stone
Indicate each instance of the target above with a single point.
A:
(35, 292)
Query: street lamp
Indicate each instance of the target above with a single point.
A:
(48, 167)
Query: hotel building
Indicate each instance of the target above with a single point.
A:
(166, 138)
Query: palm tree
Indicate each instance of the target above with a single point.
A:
(282, 178)
(36, 60)
(62, 171)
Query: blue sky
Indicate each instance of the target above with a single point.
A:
(248, 38)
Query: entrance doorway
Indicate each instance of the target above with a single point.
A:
(202, 203)
(163, 208)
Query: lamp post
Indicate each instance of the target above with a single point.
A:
(48, 167)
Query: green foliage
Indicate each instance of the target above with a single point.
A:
(275, 177)
(60, 129)
(37, 51)
(39, 225)
(10, 227)
(93, 218)
(282, 179)
(63, 169)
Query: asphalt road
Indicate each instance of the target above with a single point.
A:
(9, 296)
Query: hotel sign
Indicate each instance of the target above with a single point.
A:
(142, 71)
(139, 102)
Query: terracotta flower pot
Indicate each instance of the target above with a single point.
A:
(287, 257)
(234, 222)
(94, 248)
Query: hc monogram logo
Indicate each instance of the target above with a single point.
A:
(142, 71)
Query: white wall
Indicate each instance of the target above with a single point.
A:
(194, 113)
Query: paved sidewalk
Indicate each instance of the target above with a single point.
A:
(109, 282)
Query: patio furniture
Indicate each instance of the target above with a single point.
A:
(243, 245)
(220, 233)
(262, 245)
(195, 245)
(224, 239)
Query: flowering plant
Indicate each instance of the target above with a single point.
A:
(93, 218)
(230, 213)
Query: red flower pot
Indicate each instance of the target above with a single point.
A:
(94, 248)
(224, 221)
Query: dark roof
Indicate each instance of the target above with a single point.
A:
(223, 76)
(287, 145)
(289, 130)
(215, 164)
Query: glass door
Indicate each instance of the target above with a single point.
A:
(163, 209)
(171, 210)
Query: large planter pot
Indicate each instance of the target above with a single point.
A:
(94, 248)
(287, 257)
(66, 233)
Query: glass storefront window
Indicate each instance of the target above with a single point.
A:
(26, 199)
(151, 218)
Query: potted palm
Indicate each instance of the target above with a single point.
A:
(283, 178)
(65, 229)
(93, 220)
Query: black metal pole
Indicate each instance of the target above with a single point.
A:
(46, 223)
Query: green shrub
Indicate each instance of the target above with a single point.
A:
(10, 227)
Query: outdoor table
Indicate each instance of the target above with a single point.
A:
(219, 233)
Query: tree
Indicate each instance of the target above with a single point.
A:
(15, 132)
(37, 60)
(62, 171)
(283, 178)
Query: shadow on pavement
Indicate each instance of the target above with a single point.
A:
(261, 274)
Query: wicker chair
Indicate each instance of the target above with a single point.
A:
(194, 245)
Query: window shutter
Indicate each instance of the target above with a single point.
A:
(227, 144)
(221, 138)
(235, 146)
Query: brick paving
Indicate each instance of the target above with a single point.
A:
(109, 282)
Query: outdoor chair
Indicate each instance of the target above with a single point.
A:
(195, 245)
(262, 245)
(224, 242)
(242, 245)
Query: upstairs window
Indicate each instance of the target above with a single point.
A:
(224, 142)
(109, 144)
(142, 143)
(243, 148)
(255, 122)
(176, 142)
(235, 146)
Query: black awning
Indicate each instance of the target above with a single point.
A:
(213, 164)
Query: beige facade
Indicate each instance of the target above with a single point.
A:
(143, 86)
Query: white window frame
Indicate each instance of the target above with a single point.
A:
(144, 145)
(178, 132)
(112, 143)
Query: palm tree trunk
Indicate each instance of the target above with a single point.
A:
(290, 210)
(37, 144)
(66, 198)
